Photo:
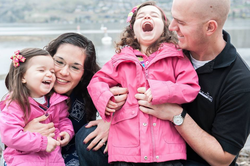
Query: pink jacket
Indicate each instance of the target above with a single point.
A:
(135, 136)
(26, 148)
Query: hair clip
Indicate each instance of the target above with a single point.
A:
(17, 58)
(131, 13)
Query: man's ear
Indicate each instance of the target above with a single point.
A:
(211, 27)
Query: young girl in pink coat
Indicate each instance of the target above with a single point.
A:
(29, 81)
(147, 56)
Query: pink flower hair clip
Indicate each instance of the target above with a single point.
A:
(17, 58)
(131, 13)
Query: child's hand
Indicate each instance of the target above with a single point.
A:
(110, 108)
(52, 144)
(149, 96)
(63, 139)
(119, 98)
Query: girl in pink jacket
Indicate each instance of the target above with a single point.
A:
(29, 81)
(147, 56)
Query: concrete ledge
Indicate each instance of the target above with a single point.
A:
(2, 76)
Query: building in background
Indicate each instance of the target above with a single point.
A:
(83, 11)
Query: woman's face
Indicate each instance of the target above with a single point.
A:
(69, 65)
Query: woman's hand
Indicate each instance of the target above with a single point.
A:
(162, 111)
(35, 126)
(99, 135)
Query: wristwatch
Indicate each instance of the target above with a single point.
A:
(178, 119)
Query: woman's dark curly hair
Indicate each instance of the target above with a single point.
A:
(90, 66)
(127, 37)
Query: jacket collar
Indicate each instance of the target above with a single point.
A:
(165, 50)
(55, 98)
(224, 59)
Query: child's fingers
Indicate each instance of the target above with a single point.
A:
(111, 104)
(107, 113)
(58, 138)
(58, 143)
(109, 110)
(51, 135)
(61, 140)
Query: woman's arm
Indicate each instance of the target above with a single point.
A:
(35, 126)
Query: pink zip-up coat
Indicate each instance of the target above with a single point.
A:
(29, 149)
(135, 136)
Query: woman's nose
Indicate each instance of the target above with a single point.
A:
(64, 70)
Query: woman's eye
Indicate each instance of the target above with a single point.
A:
(75, 68)
(59, 62)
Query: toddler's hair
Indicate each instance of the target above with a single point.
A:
(127, 37)
(17, 90)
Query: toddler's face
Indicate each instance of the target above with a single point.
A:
(40, 75)
(148, 25)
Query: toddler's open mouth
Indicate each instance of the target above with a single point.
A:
(46, 82)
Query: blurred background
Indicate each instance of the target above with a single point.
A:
(29, 23)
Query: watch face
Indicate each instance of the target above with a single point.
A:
(178, 120)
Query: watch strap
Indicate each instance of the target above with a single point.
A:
(183, 114)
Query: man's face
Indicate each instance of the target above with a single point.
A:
(188, 26)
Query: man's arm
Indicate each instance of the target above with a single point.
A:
(200, 141)
(203, 143)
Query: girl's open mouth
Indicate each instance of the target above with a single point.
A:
(46, 82)
(147, 26)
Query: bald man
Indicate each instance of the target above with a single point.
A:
(217, 122)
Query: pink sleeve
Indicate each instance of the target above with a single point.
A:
(99, 86)
(13, 135)
(184, 90)
(65, 123)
